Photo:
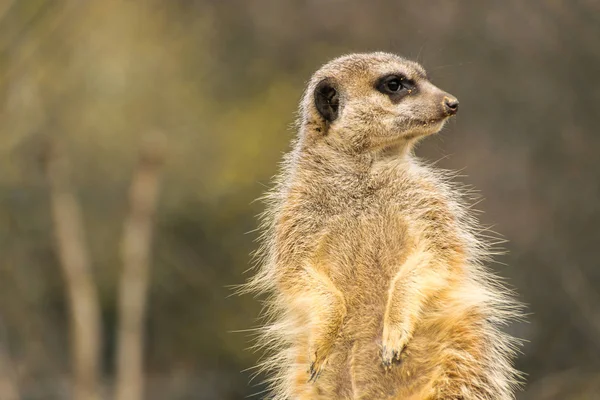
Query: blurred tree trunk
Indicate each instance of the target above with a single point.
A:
(8, 386)
(74, 260)
(134, 279)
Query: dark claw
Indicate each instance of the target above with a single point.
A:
(388, 360)
(314, 374)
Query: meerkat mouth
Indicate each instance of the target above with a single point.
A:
(418, 129)
(434, 121)
(429, 126)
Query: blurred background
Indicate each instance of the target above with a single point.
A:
(220, 80)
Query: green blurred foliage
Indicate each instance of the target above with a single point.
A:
(222, 80)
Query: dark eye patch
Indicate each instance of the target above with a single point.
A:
(396, 86)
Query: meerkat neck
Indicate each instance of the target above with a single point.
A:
(399, 151)
(322, 159)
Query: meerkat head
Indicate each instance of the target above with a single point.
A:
(365, 102)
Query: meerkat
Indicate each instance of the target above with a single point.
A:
(371, 258)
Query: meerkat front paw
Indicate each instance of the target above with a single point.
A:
(319, 354)
(318, 361)
(323, 338)
(393, 343)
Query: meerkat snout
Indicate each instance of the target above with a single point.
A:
(451, 105)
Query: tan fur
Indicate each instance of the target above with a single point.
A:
(371, 259)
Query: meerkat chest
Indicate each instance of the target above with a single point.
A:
(369, 232)
(367, 245)
(362, 225)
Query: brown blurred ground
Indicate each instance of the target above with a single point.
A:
(222, 79)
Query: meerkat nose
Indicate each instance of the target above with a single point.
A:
(451, 105)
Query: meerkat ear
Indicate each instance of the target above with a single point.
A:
(327, 100)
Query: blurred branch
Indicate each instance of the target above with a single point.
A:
(8, 387)
(134, 279)
(74, 260)
(8, 381)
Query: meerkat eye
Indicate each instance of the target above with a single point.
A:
(393, 85)
(396, 86)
